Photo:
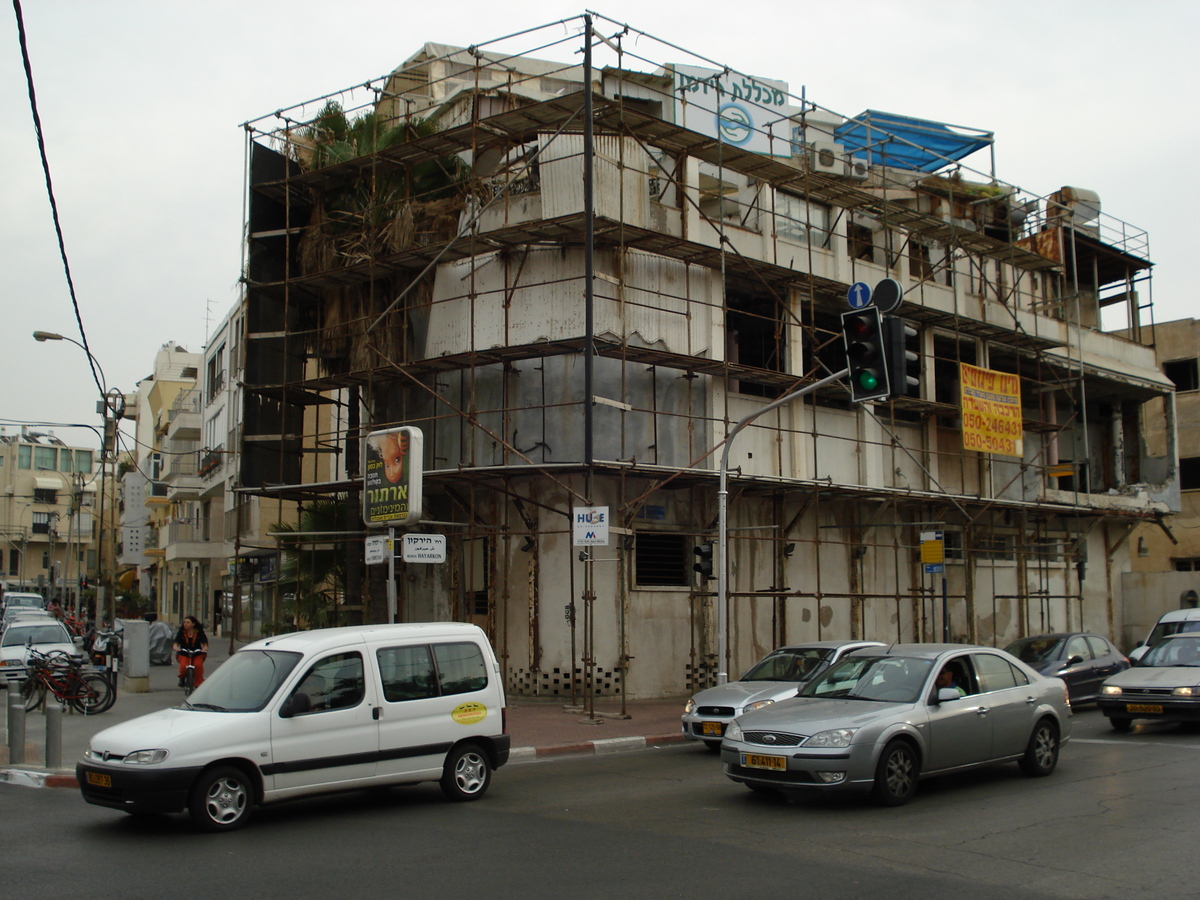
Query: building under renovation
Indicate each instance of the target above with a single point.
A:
(575, 278)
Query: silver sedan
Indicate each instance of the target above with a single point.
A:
(881, 719)
(777, 676)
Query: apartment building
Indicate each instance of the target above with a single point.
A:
(576, 279)
(49, 516)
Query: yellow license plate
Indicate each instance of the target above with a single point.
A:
(1144, 708)
(717, 728)
(755, 761)
(99, 779)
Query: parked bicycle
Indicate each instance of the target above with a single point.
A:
(63, 676)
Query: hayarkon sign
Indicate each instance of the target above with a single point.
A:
(392, 476)
(991, 411)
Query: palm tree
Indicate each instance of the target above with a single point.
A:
(314, 570)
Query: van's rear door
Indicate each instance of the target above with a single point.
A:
(433, 695)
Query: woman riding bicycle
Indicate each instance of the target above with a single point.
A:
(191, 648)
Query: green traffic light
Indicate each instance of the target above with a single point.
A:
(868, 381)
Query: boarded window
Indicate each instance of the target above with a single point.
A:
(661, 560)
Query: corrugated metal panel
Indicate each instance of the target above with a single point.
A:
(621, 181)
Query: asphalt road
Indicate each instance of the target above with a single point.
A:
(1118, 818)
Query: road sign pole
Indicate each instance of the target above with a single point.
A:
(391, 585)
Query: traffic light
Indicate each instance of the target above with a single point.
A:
(83, 584)
(866, 354)
(903, 354)
(704, 554)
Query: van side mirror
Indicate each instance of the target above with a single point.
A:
(295, 705)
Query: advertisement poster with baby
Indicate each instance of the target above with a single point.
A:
(392, 476)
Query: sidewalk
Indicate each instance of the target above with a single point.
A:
(540, 727)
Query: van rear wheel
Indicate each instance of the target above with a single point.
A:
(466, 774)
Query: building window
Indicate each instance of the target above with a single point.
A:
(860, 242)
(14, 562)
(216, 374)
(755, 337)
(83, 462)
(41, 523)
(1184, 373)
(45, 495)
(994, 546)
(801, 221)
(1190, 564)
(64, 460)
(45, 458)
(24, 456)
(661, 560)
(1189, 473)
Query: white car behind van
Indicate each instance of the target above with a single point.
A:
(314, 711)
(1173, 622)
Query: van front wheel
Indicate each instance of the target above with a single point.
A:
(467, 774)
(221, 799)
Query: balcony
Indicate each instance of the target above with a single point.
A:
(182, 475)
(183, 418)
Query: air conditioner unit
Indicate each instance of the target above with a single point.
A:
(827, 157)
(856, 167)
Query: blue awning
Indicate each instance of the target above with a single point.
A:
(908, 143)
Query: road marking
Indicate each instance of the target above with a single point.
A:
(1134, 743)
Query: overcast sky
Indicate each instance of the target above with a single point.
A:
(141, 103)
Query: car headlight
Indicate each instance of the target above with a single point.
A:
(757, 705)
(1110, 690)
(689, 707)
(1186, 692)
(733, 731)
(835, 737)
(145, 757)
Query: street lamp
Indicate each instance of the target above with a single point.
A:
(107, 402)
(97, 372)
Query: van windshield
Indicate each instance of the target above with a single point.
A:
(245, 682)
(1165, 629)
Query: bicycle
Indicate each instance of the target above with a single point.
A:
(189, 671)
(62, 675)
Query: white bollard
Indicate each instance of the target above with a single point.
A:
(54, 726)
(16, 725)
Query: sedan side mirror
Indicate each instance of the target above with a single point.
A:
(945, 695)
(1075, 660)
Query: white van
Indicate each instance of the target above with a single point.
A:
(325, 710)
(1173, 622)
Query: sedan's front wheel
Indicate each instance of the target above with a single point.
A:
(1041, 755)
(896, 774)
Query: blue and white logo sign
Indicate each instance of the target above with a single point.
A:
(735, 124)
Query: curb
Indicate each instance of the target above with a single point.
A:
(39, 778)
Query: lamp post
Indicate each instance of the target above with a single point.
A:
(115, 404)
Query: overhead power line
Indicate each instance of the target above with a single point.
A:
(62, 246)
